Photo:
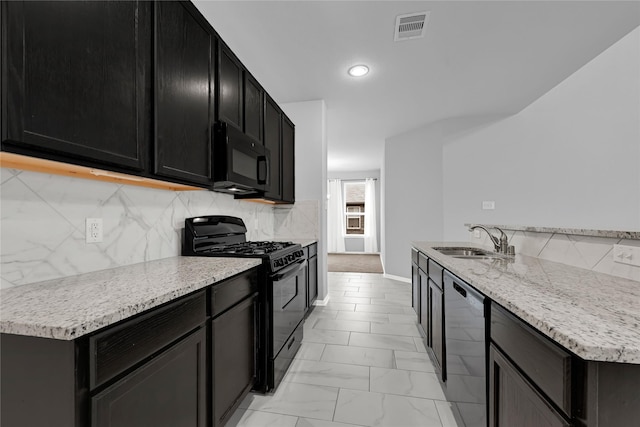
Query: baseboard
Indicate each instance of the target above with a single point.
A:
(323, 302)
(398, 278)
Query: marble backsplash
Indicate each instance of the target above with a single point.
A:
(589, 252)
(42, 230)
(298, 221)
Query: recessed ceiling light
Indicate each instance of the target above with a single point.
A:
(358, 70)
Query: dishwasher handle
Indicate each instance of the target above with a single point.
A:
(460, 289)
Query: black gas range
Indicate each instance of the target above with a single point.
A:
(282, 288)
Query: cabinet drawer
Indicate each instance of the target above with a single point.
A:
(423, 262)
(232, 291)
(414, 256)
(121, 347)
(313, 249)
(435, 273)
(282, 362)
(544, 363)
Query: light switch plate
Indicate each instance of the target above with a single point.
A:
(488, 205)
(625, 254)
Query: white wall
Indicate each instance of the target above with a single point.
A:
(570, 159)
(311, 180)
(356, 244)
(412, 196)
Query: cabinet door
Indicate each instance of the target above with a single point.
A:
(437, 331)
(183, 109)
(272, 140)
(288, 160)
(234, 362)
(513, 401)
(253, 107)
(170, 390)
(77, 81)
(312, 281)
(415, 289)
(423, 306)
(230, 85)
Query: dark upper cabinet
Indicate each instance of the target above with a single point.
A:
(253, 108)
(132, 87)
(183, 105)
(272, 140)
(288, 160)
(230, 87)
(279, 138)
(76, 81)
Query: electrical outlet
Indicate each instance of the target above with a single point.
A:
(488, 205)
(93, 232)
(626, 254)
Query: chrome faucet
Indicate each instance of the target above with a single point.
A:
(500, 245)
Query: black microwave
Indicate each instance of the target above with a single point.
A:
(240, 164)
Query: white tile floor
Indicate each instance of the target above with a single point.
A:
(362, 363)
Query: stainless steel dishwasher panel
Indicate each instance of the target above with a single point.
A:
(465, 347)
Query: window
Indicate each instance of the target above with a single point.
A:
(354, 208)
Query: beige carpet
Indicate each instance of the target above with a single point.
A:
(355, 263)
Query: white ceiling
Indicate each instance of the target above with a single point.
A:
(479, 59)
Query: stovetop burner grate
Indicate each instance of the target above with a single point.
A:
(250, 248)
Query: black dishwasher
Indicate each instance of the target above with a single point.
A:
(465, 343)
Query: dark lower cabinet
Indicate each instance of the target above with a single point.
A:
(170, 390)
(513, 401)
(423, 306)
(233, 357)
(169, 366)
(312, 274)
(532, 380)
(183, 103)
(77, 80)
(234, 343)
(437, 331)
(415, 283)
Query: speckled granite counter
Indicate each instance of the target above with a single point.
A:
(594, 315)
(74, 306)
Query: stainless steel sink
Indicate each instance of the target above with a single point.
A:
(463, 252)
(468, 253)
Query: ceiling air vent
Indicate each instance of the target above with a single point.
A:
(411, 26)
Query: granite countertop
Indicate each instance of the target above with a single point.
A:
(594, 315)
(73, 306)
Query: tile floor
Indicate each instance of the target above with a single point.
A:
(362, 363)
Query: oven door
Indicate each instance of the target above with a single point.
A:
(289, 302)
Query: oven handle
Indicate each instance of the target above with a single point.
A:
(292, 270)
